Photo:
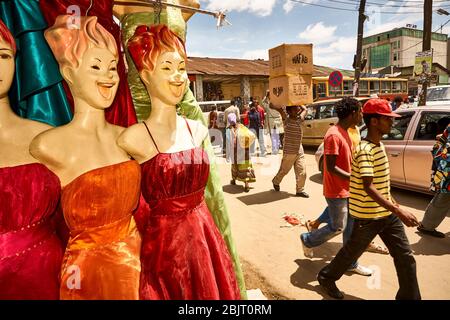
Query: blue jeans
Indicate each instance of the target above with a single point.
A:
(259, 133)
(275, 141)
(337, 221)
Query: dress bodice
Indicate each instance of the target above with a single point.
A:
(172, 176)
(28, 194)
(101, 196)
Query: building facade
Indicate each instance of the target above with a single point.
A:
(398, 48)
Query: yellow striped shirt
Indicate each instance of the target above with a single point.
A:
(369, 160)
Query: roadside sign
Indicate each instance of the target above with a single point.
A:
(335, 79)
(423, 63)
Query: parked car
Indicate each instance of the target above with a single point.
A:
(321, 115)
(438, 95)
(408, 146)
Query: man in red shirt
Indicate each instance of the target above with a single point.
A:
(336, 180)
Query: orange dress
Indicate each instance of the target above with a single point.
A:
(102, 258)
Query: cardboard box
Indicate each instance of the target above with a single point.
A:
(291, 90)
(291, 59)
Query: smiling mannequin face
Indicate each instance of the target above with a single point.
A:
(96, 79)
(6, 67)
(167, 82)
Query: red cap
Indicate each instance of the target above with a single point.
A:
(379, 106)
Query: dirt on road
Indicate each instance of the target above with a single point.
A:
(254, 280)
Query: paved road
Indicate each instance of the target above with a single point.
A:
(275, 251)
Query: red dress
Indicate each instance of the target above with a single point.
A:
(183, 254)
(30, 251)
(121, 111)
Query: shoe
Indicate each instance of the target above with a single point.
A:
(377, 248)
(330, 287)
(361, 270)
(307, 252)
(302, 194)
(276, 187)
(433, 233)
(233, 182)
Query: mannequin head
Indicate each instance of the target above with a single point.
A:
(7, 64)
(160, 58)
(87, 58)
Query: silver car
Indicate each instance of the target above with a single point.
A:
(408, 146)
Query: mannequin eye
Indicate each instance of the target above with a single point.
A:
(95, 67)
(166, 68)
(5, 56)
(113, 69)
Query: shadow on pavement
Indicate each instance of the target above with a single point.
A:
(411, 199)
(307, 272)
(430, 246)
(234, 189)
(264, 197)
(317, 178)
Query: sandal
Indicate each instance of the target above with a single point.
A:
(309, 227)
(377, 248)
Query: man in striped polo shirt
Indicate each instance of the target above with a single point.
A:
(373, 208)
(293, 155)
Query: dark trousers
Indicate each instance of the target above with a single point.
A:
(392, 232)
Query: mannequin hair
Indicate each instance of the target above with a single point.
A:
(148, 43)
(6, 36)
(69, 42)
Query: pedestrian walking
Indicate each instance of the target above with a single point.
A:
(231, 109)
(255, 125)
(373, 209)
(262, 128)
(355, 137)
(439, 206)
(239, 138)
(336, 183)
(274, 124)
(293, 154)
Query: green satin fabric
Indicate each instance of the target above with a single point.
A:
(189, 108)
(37, 92)
(214, 198)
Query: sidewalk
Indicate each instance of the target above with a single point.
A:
(276, 253)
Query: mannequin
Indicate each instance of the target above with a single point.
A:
(133, 16)
(121, 112)
(100, 182)
(31, 253)
(183, 254)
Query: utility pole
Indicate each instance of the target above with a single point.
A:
(426, 44)
(358, 56)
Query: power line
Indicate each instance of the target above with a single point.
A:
(352, 10)
(415, 45)
(356, 2)
(398, 5)
(318, 5)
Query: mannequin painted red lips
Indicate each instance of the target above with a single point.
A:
(177, 88)
(105, 89)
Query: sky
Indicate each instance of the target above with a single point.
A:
(258, 25)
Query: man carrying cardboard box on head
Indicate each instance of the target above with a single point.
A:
(293, 155)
